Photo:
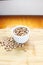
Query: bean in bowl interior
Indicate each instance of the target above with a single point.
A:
(21, 31)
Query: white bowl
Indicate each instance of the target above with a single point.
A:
(20, 39)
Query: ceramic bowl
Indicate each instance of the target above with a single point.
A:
(20, 39)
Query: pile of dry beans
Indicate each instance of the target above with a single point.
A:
(10, 44)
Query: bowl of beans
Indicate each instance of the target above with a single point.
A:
(20, 34)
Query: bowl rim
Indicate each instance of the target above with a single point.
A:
(18, 27)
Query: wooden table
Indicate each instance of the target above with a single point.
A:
(30, 54)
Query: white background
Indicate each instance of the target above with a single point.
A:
(21, 7)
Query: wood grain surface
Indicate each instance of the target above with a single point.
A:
(31, 21)
(30, 54)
